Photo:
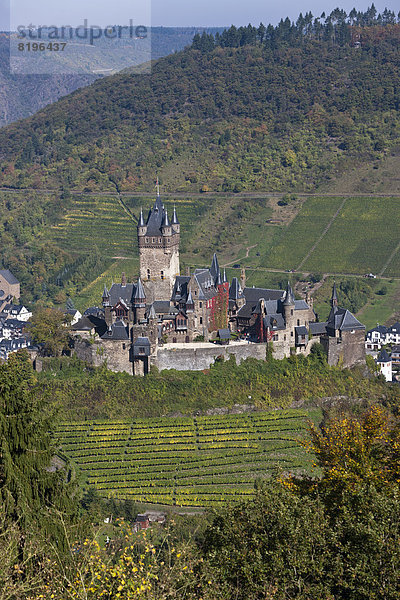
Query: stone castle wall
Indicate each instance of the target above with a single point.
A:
(98, 352)
(197, 357)
(348, 352)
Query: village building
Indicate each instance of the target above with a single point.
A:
(384, 362)
(191, 315)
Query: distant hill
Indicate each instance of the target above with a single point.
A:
(233, 118)
(23, 95)
(232, 114)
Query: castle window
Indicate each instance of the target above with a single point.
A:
(148, 273)
(291, 312)
(162, 274)
(291, 334)
(284, 338)
(147, 240)
(200, 305)
(275, 338)
(298, 322)
(160, 240)
(123, 346)
(153, 240)
(201, 320)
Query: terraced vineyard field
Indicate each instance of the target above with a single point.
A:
(199, 461)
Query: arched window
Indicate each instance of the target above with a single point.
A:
(148, 273)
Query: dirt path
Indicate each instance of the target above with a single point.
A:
(389, 260)
(239, 259)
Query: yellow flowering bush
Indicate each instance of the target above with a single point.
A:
(128, 569)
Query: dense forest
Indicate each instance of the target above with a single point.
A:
(283, 113)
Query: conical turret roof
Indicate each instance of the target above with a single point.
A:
(214, 270)
(139, 291)
(189, 299)
(141, 222)
(106, 293)
(152, 313)
(334, 299)
(289, 296)
(175, 218)
(165, 222)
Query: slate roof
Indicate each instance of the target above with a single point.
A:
(161, 306)
(88, 322)
(152, 313)
(117, 331)
(275, 322)
(254, 294)
(139, 293)
(141, 222)
(300, 305)
(181, 284)
(383, 357)
(207, 289)
(395, 349)
(14, 324)
(343, 320)
(253, 297)
(379, 328)
(141, 342)
(174, 218)
(224, 334)
(235, 290)
(93, 310)
(318, 328)
(289, 296)
(8, 276)
(155, 218)
(125, 292)
(301, 330)
(395, 328)
(214, 270)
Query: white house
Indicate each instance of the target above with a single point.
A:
(381, 335)
(385, 364)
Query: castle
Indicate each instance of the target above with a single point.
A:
(157, 319)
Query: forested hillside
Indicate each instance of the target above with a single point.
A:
(275, 113)
(23, 95)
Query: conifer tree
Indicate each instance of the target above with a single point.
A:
(31, 491)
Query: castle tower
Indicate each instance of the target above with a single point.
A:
(139, 302)
(288, 310)
(158, 241)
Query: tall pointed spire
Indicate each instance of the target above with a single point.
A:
(141, 222)
(334, 300)
(158, 188)
(106, 295)
(165, 221)
(214, 268)
(174, 218)
(224, 279)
